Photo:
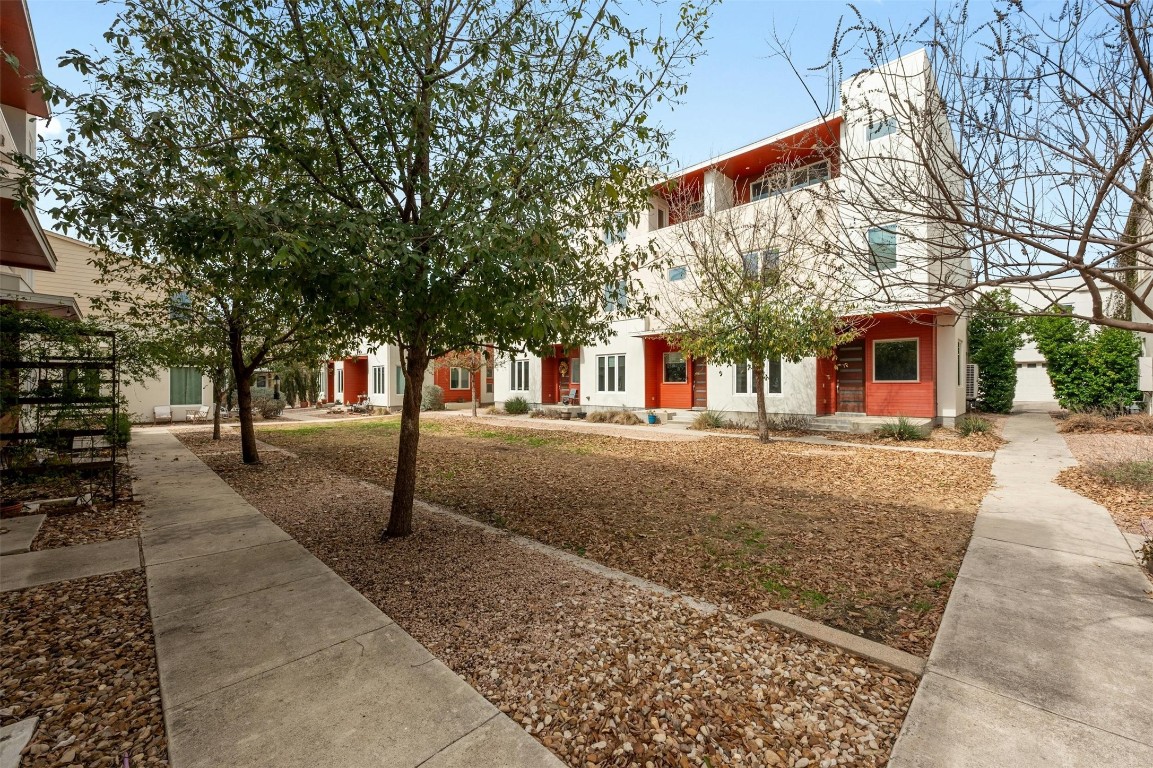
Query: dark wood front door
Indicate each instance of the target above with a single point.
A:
(700, 383)
(851, 377)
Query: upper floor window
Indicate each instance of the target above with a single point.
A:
(179, 305)
(615, 230)
(678, 273)
(880, 128)
(882, 248)
(788, 179)
(760, 265)
(662, 218)
(746, 384)
(616, 296)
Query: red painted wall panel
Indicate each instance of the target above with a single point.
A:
(826, 391)
(355, 379)
(548, 380)
(917, 398)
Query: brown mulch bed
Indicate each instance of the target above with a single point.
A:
(601, 673)
(1100, 456)
(865, 540)
(70, 525)
(1095, 423)
(80, 655)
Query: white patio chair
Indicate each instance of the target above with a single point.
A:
(162, 412)
(200, 414)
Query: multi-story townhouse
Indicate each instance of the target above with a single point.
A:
(376, 372)
(24, 247)
(910, 357)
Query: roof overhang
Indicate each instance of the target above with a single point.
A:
(16, 39)
(27, 301)
(22, 240)
(912, 313)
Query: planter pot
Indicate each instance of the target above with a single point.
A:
(652, 418)
(565, 416)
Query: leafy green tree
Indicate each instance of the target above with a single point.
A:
(753, 292)
(446, 153)
(995, 335)
(1089, 370)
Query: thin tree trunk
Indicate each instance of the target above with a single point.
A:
(404, 485)
(762, 413)
(217, 396)
(474, 390)
(248, 452)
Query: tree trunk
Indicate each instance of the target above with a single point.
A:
(248, 452)
(474, 390)
(217, 396)
(762, 414)
(404, 486)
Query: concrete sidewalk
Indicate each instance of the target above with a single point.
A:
(268, 658)
(1045, 652)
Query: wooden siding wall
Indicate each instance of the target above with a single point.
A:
(442, 377)
(917, 398)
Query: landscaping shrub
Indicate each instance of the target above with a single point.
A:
(995, 335)
(432, 398)
(1145, 554)
(626, 418)
(493, 410)
(1089, 370)
(546, 413)
(1134, 474)
(902, 429)
(788, 422)
(268, 407)
(968, 424)
(118, 431)
(516, 406)
(1096, 422)
(710, 420)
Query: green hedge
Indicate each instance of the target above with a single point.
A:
(1089, 370)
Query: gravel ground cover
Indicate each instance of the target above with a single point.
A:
(601, 673)
(1100, 455)
(865, 540)
(80, 655)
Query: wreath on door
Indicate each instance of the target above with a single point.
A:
(563, 368)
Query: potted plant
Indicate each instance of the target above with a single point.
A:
(565, 415)
(652, 417)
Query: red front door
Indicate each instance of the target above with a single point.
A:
(700, 383)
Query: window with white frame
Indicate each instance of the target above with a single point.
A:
(882, 248)
(616, 296)
(896, 360)
(745, 383)
(678, 273)
(616, 230)
(780, 181)
(519, 381)
(881, 127)
(340, 381)
(379, 380)
(574, 375)
(610, 373)
(760, 265)
(458, 378)
(488, 379)
(399, 380)
(676, 368)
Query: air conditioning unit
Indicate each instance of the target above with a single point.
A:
(972, 378)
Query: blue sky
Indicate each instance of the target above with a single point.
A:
(737, 92)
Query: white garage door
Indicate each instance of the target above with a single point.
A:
(1033, 384)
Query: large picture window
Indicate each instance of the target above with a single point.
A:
(676, 370)
(610, 373)
(184, 386)
(788, 179)
(746, 384)
(379, 380)
(519, 381)
(458, 378)
(896, 360)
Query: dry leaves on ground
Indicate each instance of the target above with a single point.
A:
(1101, 456)
(601, 673)
(79, 654)
(68, 525)
(862, 539)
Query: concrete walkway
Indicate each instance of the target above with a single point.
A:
(268, 658)
(1045, 652)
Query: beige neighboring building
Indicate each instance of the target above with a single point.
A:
(185, 389)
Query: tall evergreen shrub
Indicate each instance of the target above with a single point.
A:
(1089, 370)
(995, 335)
